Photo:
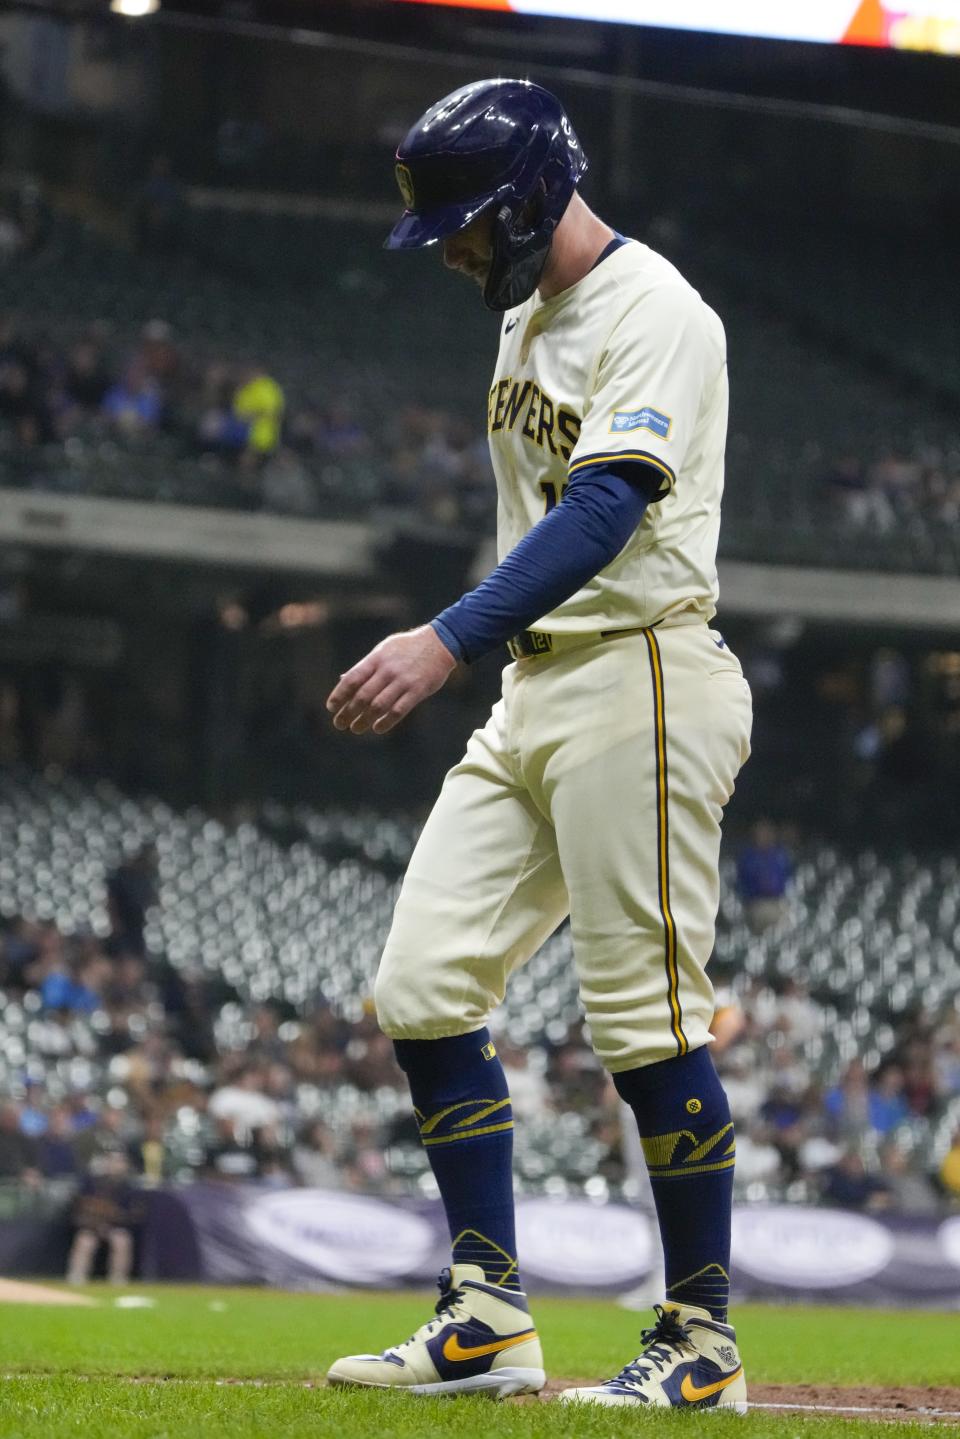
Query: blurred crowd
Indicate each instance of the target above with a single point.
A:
(194, 1083)
(857, 1141)
(257, 447)
(878, 496)
(232, 417)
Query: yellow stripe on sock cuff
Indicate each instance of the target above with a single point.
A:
(468, 1134)
(691, 1169)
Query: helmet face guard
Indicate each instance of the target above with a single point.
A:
(500, 145)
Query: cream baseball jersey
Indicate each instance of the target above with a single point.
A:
(627, 363)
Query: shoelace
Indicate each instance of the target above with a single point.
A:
(449, 1298)
(659, 1343)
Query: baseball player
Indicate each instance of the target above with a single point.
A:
(597, 786)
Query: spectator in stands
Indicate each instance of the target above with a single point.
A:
(788, 1076)
(855, 492)
(218, 431)
(946, 1060)
(315, 1158)
(274, 1163)
(889, 680)
(34, 1119)
(370, 1063)
(243, 1101)
(266, 1046)
(259, 403)
(757, 1157)
(82, 1114)
(848, 1185)
(847, 1104)
(19, 950)
(58, 1034)
(133, 406)
(783, 1114)
(18, 1153)
(72, 987)
(950, 1169)
(743, 1082)
(86, 380)
(131, 892)
(124, 986)
(941, 495)
(51, 974)
(764, 870)
(150, 1151)
(232, 1154)
(149, 1065)
(23, 401)
(896, 476)
(160, 357)
(857, 1105)
(894, 762)
(342, 436)
(279, 1085)
(919, 1084)
(107, 1211)
(798, 1018)
(56, 1149)
(364, 1164)
(188, 1004)
(910, 1190)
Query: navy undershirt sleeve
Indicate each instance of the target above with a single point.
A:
(600, 509)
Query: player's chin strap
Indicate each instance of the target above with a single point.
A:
(519, 256)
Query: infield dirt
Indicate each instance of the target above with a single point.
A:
(14, 1291)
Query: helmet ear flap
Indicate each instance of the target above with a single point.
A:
(520, 241)
(519, 224)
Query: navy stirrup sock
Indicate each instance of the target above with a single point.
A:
(688, 1143)
(462, 1106)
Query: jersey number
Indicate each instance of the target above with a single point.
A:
(552, 493)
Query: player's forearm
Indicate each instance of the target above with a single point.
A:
(589, 527)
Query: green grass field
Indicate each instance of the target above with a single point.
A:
(68, 1371)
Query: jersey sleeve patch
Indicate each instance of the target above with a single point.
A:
(643, 419)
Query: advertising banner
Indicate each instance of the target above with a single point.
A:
(319, 1239)
(899, 24)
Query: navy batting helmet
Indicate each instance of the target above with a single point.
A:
(505, 145)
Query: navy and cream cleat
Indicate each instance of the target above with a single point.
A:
(481, 1341)
(689, 1361)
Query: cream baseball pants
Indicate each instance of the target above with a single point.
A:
(596, 789)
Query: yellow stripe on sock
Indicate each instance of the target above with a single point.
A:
(692, 1169)
(487, 1107)
(482, 1113)
(474, 1234)
(467, 1134)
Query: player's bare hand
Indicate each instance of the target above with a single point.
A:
(394, 677)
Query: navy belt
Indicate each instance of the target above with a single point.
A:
(533, 644)
(528, 644)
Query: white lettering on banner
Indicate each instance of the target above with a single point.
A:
(949, 1237)
(572, 1242)
(809, 1248)
(348, 1237)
